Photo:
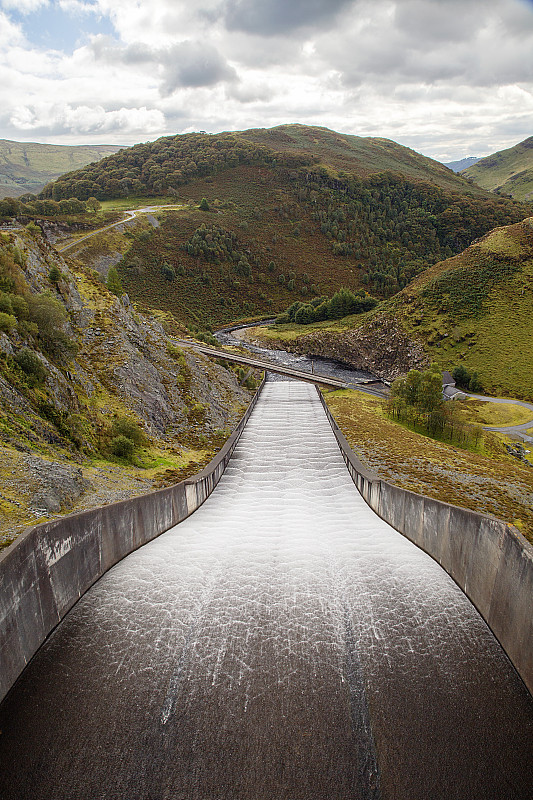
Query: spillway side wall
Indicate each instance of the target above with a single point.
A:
(489, 559)
(50, 566)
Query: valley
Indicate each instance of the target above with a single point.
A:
(191, 233)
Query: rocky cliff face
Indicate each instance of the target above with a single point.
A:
(379, 346)
(108, 362)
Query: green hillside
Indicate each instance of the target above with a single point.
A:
(357, 155)
(26, 167)
(475, 310)
(509, 172)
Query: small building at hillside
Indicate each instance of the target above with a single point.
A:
(449, 390)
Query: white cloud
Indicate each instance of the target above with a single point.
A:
(87, 119)
(25, 6)
(78, 7)
(10, 34)
(440, 76)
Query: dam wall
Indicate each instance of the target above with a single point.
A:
(50, 566)
(489, 559)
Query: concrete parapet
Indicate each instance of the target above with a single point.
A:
(47, 569)
(489, 559)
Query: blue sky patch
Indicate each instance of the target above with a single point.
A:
(52, 28)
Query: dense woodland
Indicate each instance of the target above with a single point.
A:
(161, 167)
(394, 228)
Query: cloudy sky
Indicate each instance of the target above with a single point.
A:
(447, 77)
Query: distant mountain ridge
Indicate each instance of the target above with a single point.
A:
(26, 167)
(463, 163)
(507, 172)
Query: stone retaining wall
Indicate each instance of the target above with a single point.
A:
(47, 569)
(490, 560)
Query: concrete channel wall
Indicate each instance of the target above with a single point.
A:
(47, 569)
(490, 560)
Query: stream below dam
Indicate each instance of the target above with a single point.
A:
(317, 365)
(282, 643)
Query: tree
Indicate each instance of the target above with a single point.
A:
(92, 204)
(204, 205)
(50, 317)
(429, 397)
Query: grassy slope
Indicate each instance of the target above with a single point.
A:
(490, 481)
(496, 340)
(510, 171)
(28, 166)
(358, 155)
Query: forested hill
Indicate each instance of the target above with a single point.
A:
(164, 166)
(282, 222)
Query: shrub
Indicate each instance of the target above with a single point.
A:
(7, 322)
(128, 428)
(122, 447)
(204, 205)
(113, 282)
(168, 272)
(54, 275)
(31, 364)
(34, 229)
(50, 316)
(20, 306)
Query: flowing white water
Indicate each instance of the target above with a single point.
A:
(282, 642)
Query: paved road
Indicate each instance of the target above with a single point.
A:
(519, 430)
(282, 643)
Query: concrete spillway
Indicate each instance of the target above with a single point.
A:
(281, 643)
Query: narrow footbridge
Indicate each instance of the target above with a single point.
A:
(281, 643)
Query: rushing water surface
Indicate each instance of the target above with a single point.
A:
(282, 643)
(317, 365)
